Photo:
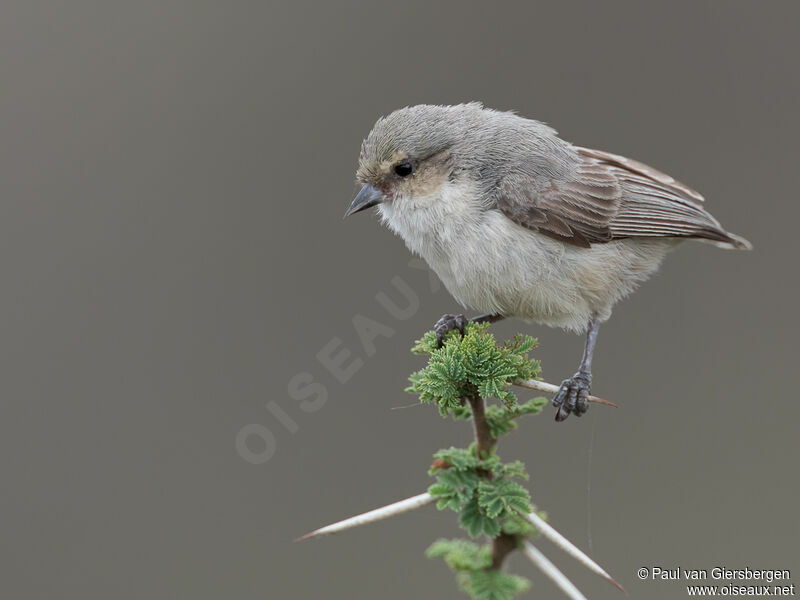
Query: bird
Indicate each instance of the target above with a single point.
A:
(517, 222)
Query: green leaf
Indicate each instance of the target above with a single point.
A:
(471, 563)
(514, 496)
(427, 344)
(461, 555)
(492, 584)
(515, 469)
(458, 458)
(492, 464)
(502, 497)
(475, 520)
(453, 488)
(489, 499)
(461, 412)
(514, 524)
(500, 421)
(532, 406)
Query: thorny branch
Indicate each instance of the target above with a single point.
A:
(504, 543)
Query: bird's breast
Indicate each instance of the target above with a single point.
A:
(490, 264)
(485, 261)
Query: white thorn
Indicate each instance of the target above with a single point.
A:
(378, 514)
(559, 540)
(549, 569)
(549, 388)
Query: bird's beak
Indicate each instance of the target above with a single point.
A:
(368, 196)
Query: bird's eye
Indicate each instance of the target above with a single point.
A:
(404, 169)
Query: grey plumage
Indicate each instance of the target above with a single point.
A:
(518, 222)
(541, 182)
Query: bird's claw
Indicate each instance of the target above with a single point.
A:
(447, 324)
(573, 396)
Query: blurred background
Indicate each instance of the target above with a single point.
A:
(174, 264)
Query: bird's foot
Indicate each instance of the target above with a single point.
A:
(573, 396)
(447, 324)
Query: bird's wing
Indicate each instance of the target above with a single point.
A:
(611, 197)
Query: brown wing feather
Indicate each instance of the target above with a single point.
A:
(578, 211)
(611, 197)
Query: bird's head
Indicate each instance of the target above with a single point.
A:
(411, 153)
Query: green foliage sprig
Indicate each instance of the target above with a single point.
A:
(471, 364)
(482, 491)
(472, 564)
(460, 377)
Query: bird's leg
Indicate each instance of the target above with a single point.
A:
(450, 322)
(573, 395)
(447, 324)
(487, 318)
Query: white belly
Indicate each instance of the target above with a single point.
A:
(490, 264)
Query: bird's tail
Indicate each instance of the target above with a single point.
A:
(731, 241)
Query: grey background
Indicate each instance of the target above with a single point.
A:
(173, 177)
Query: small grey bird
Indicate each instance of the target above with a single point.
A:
(516, 222)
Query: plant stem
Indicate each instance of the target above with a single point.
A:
(483, 436)
(503, 545)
